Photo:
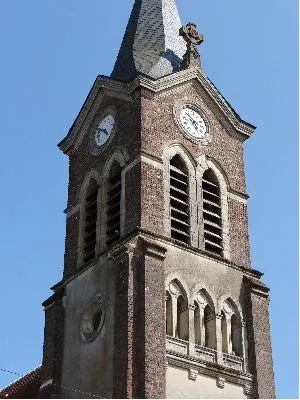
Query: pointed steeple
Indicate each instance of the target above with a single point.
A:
(151, 44)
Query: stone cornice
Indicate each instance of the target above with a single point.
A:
(256, 286)
(156, 247)
(123, 90)
(209, 369)
(152, 249)
(248, 272)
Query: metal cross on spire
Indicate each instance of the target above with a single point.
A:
(193, 38)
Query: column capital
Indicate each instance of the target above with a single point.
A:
(216, 316)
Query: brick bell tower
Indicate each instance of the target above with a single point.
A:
(158, 298)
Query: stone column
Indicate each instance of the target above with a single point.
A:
(202, 325)
(245, 346)
(191, 326)
(229, 338)
(259, 339)
(124, 352)
(174, 314)
(218, 318)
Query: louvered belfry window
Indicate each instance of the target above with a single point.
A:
(114, 188)
(179, 200)
(212, 213)
(90, 228)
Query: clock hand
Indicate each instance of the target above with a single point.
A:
(195, 123)
(102, 130)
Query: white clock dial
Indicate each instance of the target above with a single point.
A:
(193, 123)
(104, 130)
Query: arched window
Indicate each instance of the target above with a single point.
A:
(114, 188)
(169, 317)
(181, 328)
(204, 321)
(231, 325)
(212, 213)
(197, 324)
(224, 333)
(236, 336)
(210, 328)
(90, 226)
(177, 317)
(179, 200)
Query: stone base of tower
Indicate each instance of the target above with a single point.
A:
(184, 382)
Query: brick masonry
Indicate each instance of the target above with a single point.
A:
(259, 337)
(139, 336)
(146, 125)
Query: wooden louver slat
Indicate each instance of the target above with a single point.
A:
(113, 206)
(179, 201)
(212, 213)
(90, 230)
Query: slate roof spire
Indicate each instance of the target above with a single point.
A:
(151, 44)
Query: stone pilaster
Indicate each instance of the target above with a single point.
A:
(124, 357)
(139, 348)
(152, 295)
(53, 346)
(259, 339)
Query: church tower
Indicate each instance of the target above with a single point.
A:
(158, 298)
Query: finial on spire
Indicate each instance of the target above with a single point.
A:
(193, 38)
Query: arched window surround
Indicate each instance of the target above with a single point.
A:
(177, 309)
(204, 318)
(168, 154)
(196, 168)
(93, 175)
(120, 156)
(233, 342)
(205, 163)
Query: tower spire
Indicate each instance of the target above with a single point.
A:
(151, 44)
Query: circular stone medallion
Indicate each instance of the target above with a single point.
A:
(92, 319)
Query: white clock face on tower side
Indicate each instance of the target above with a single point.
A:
(104, 130)
(192, 123)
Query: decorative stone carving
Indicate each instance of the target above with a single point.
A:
(201, 299)
(221, 382)
(193, 38)
(193, 374)
(174, 289)
(92, 319)
(248, 390)
(227, 308)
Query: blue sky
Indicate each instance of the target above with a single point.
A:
(51, 52)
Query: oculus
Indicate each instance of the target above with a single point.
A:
(92, 319)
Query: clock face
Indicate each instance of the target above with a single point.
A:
(104, 130)
(193, 123)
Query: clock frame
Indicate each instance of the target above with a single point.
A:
(177, 110)
(99, 117)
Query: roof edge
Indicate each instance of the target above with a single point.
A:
(242, 127)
